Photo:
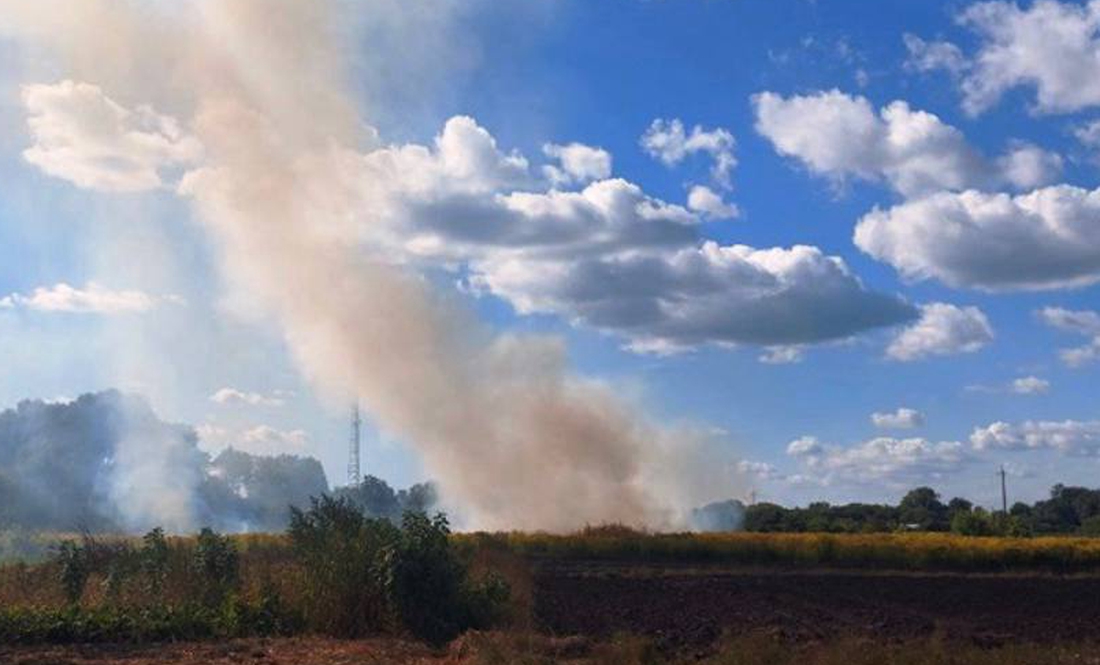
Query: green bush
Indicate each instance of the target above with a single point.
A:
(365, 575)
(343, 582)
(74, 570)
(217, 566)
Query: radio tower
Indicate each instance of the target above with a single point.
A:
(353, 448)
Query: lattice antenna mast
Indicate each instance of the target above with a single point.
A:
(353, 447)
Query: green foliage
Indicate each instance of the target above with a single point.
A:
(218, 566)
(344, 580)
(972, 523)
(74, 570)
(154, 560)
(364, 575)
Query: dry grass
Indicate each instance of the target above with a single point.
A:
(910, 551)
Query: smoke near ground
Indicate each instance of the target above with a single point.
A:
(244, 104)
(107, 462)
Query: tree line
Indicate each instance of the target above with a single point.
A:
(1068, 510)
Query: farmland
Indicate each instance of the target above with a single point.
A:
(606, 594)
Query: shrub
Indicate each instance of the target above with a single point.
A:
(74, 570)
(344, 585)
(154, 560)
(217, 566)
(366, 575)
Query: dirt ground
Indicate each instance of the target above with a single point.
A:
(693, 607)
(305, 651)
(579, 608)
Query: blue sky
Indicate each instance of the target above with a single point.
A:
(800, 87)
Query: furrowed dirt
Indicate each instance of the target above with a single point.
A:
(686, 608)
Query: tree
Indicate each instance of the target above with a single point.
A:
(921, 506)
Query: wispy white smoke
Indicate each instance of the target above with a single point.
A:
(511, 435)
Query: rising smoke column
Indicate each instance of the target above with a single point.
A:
(511, 435)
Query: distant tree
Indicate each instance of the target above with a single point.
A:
(765, 517)
(922, 506)
(1091, 527)
(975, 522)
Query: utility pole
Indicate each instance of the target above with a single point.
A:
(353, 447)
(1004, 491)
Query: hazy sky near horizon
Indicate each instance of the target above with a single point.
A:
(859, 242)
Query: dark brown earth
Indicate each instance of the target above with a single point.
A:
(687, 608)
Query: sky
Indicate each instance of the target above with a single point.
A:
(858, 244)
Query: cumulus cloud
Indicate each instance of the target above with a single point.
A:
(840, 137)
(232, 396)
(1088, 134)
(806, 447)
(608, 255)
(1050, 46)
(1083, 322)
(758, 470)
(943, 329)
(781, 355)
(1030, 385)
(578, 163)
(902, 418)
(707, 202)
(257, 440)
(93, 298)
(880, 460)
(930, 56)
(1070, 437)
(668, 142)
(1046, 239)
(83, 136)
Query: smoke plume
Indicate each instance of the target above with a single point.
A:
(512, 436)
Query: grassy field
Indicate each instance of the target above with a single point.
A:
(135, 590)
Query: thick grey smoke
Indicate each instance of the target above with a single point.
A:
(510, 434)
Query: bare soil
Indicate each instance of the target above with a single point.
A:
(685, 608)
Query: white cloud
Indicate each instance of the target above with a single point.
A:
(707, 202)
(930, 56)
(1030, 385)
(1088, 134)
(85, 137)
(839, 136)
(1084, 322)
(902, 418)
(781, 355)
(806, 447)
(579, 163)
(258, 440)
(1071, 437)
(943, 329)
(1045, 239)
(91, 299)
(667, 141)
(608, 255)
(758, 470)
(882, 459)
(1051, 46)
(230, 396)
(1026, 166)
